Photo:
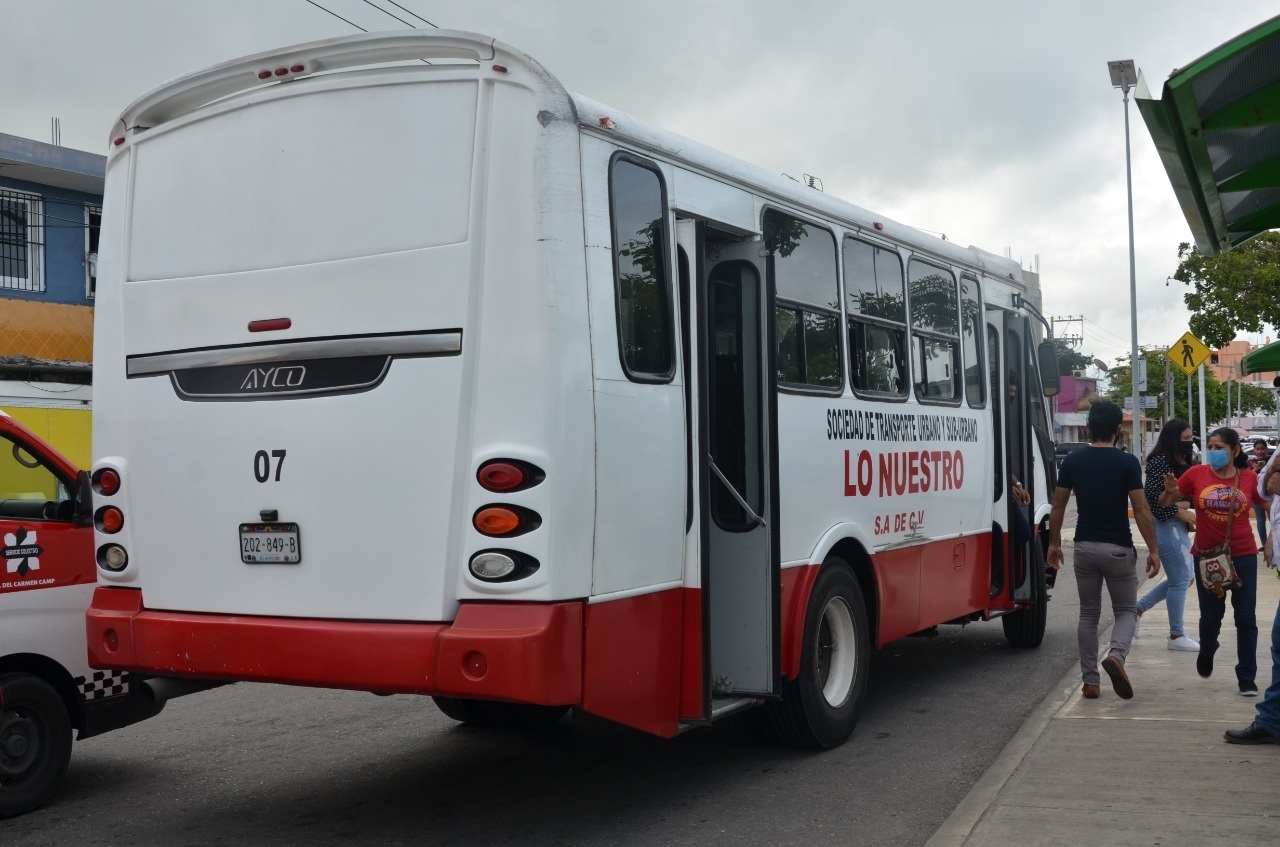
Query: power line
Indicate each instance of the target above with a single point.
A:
(388, 14)
(336, 15)
(419, 17)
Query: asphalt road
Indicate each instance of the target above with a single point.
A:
(258, 764)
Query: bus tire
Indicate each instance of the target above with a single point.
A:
(1025, 627)
(464, 710)
(35, 742)
(820, 708)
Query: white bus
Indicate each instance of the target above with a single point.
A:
(415, 372)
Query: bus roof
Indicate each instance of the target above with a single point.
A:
(200, 88)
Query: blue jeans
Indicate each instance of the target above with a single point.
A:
(1174, 542)
(1269, 708)
(1260, 515)
(1244, 601)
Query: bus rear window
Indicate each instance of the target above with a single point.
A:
(313, 177)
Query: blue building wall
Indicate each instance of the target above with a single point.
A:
(65, 243)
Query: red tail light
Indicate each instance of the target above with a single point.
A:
(106, 482)
(509, 475)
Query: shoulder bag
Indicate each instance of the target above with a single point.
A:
(1217, 572)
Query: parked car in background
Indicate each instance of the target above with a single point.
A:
(1062, 448)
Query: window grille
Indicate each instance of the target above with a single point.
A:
(21, 242)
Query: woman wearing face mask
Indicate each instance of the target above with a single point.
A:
(1172, 454)
(1221, 490)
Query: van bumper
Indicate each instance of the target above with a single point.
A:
(522, 652)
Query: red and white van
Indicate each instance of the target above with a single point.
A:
(47, 688)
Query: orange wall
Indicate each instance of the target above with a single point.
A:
(46, 330)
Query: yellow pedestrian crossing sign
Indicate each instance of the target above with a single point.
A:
(1188, 353)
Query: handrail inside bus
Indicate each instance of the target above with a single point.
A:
(734, 491)
(190, 92)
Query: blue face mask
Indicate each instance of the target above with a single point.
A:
(1216, 458)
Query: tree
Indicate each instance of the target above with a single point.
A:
(1234, 291)
(1069, 361)
(1215, 393)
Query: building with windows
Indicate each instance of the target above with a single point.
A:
(1225, 364)
(50, 207)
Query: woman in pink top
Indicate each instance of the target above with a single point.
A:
(1221, 487)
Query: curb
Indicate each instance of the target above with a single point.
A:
(956, 829)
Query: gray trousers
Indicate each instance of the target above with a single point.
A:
(1095, 563)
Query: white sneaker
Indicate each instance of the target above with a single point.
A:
(1184, 644)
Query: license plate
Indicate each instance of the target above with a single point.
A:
(270, 544)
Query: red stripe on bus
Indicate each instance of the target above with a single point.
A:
(632, 671)
(524, 652)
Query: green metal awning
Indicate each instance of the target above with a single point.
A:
(1262, 360)
(1217, 129)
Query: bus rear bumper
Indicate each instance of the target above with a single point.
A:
(523, 652)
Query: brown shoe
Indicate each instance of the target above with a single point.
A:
(1119, 679)
(1089, 691)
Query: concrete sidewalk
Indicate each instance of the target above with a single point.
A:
(1153, 770)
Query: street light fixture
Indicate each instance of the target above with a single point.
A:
(1124, 75)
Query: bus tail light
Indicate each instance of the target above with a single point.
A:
(109, 519)
(106, 481)
(112, 557)
(508, 475)
(502, 565)
(503, 521)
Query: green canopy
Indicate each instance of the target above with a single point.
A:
(1262, 360)
(1217, 129)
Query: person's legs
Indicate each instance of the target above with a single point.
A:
(1089, 587)
(1120, 572)
(1177, 571)
(1260, 516)
(1244, 601)
(1269, 709)
(1211, 611)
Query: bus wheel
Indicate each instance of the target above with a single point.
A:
(820, 708)
(35, 742)
(464, 710)
(1025, 627)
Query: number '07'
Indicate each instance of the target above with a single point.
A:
(262, 465)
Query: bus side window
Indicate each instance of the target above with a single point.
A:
(807, 311)
(970, 324)
(877, 308)
(640, 251)
(935, 333)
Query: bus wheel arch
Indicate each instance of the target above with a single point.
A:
(821, 706)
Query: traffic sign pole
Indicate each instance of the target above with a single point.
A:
(1204, 434)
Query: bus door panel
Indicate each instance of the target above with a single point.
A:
(736, 401)
(1017, 438)
(1000, 516)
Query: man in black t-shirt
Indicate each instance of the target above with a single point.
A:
(1107, 483)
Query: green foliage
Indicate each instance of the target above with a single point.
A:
(1069, 361)
(1251, 399)
(1233, 292)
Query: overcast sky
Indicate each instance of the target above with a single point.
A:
(992, 121)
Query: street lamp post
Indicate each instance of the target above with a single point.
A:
(1125, 76)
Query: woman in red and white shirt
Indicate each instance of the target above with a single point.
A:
(1224, 485)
